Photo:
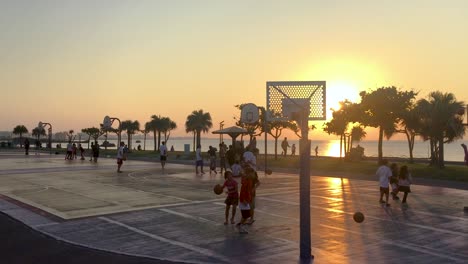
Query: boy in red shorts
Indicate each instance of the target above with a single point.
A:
(245, 199)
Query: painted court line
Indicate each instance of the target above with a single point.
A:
(403, 244)
(196, 218)
(190, 247)
(373, 217)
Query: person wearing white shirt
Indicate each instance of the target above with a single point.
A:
(163, 154)
(236, 169)
(384, 173)
(250, 159)
(120, 156)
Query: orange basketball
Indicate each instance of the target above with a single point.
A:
(358, 217)
(218, 189)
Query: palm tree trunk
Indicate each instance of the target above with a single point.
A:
(276, 148)
(159, 139)
(410, 138)
(380, 144)
(344, 143)
(144, 142)
(341, 145)
(194, 146)
(154, 140)
(129, 141)
(198, 137)
(441, 153)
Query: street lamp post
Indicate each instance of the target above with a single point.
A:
(221, 126)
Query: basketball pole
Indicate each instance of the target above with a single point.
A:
(304, 186)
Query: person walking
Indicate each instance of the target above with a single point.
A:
(26, 146)
(163, 154)
(212, 154)
(293, 149)
(404, 182)
(120, 156)
(384, 173)
(198, 160)
(222, 157)
(285, 146)
(465, 149)
(95, 151)
(316, 151)
(80, 147)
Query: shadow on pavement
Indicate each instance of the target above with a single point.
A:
(22, 244)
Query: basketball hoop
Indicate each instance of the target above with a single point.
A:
(249, 114)
(107, 123)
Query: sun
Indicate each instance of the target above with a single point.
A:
(338, 91)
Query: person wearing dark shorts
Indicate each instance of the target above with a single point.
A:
(384, 173)
(163, 154)
(232, 198)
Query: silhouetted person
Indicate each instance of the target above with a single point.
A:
(285, 146)
(293, 149)
(466, 153)
(26, 146)
(316, 151)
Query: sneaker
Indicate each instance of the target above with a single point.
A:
(388, 205)
(381, 201)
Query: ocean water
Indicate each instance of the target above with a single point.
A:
(391, 148)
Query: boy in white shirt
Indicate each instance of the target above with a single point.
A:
(384, 173)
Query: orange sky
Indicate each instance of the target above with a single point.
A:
(72, 63)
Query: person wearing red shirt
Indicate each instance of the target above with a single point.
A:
(232, 196)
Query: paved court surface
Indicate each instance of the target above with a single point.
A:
(174, 215)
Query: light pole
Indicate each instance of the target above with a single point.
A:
(300, 101)
(42, 125)
(221, 125)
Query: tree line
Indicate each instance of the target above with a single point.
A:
(437, 119)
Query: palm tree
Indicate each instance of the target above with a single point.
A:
(337, 126)
(20, 130)
(156, 124)
(441, 122)
(383, 108)
(167, 125)
(148, 128)
(38, 132)
(190, 128)
(356, 135)
(200, 122)
(92, 132)
(131, 127)
(410, 124)
(70, 135)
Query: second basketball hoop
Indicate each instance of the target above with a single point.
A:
(249, 113)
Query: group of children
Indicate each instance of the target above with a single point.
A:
(245, 199)
(398, 178)
(72, 150)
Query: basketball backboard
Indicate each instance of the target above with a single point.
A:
(249, 113)
(107, 122)
(286, 98)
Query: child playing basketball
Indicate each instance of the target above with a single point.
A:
(384, 173)
(232, 196)
(245, 200)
